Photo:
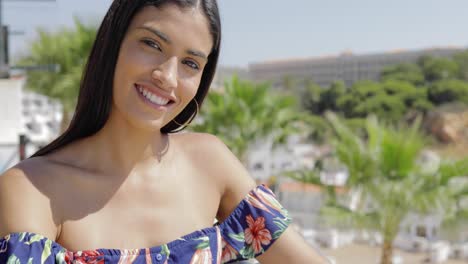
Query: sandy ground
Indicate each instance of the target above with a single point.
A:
(365, 254)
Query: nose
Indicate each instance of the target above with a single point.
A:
(166, 74)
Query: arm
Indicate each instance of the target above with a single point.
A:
(290, 247)
(25, 220)
(23, 208)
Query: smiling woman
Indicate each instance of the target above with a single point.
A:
(160, 64)
(121, 185)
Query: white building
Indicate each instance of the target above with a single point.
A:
(25, 113)
(10, 120)
(41, 117)
(264, 161)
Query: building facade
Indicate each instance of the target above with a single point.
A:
(224, 74)
(346, 67)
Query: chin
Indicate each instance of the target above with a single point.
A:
(148, 125)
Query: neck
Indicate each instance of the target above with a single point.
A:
(119, 146)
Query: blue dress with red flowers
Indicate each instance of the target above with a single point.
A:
(254, 225)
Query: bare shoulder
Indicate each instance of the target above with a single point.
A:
(195, 141)
(221, 164)
(24, 202)
(216, 157)
(211, 153)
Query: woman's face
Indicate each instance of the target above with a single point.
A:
(160, 64)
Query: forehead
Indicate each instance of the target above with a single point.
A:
(188, 27)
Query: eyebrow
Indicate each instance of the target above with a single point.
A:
(166, 39)
(197, 54)
(158, 33)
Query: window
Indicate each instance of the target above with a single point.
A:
(38, 103)
(421, 231)
(258, 166)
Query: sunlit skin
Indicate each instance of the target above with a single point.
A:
(130, 186)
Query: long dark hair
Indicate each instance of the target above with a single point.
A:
(95, 97)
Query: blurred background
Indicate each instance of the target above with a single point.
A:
(354, 112)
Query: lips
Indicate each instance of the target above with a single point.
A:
(152, 97)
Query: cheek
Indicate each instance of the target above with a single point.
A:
(187, 90)
(132, 63)
(133, 60)
(190, 87)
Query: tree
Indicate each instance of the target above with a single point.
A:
(462, 60)
(311, 97)
(445, 91)
(407, 72)
(330, 96)
(367, 97)
(389, 182)
(438, 68)
(246, 112)
(413, 97)
(67, 48)
(390, 100)
(319, 131)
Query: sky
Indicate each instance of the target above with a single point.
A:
(265, 30)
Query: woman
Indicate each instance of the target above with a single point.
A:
(119, 183)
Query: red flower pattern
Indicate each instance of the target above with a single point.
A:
(84, 257)
(256, 234)
(229, 253)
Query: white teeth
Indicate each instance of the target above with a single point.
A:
(152, 97)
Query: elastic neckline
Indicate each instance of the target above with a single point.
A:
(156, 249)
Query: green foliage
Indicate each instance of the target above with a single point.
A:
(406, 72)
(413, 97)
(388, 180)
(311, 97)
(462, 60)
(318, 100)
(68, 48)
(389, 100)
(404, 90)
(330, 96)
(319, 130)
(438, 68)
(385, 168)
(246, 112)
(307, 176)
(445, 91)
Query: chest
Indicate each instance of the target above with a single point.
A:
(145, 210)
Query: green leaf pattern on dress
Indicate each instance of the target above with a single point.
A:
(47, 250)
(239, 237)
(13, 260)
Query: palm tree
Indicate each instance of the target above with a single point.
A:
(389, 182)
(67, 48)
(246, 112)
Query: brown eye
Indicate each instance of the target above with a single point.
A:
(152, 44)
(191, 64)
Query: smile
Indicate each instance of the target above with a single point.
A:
(152, 98)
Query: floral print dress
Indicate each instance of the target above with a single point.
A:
(254, 225)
